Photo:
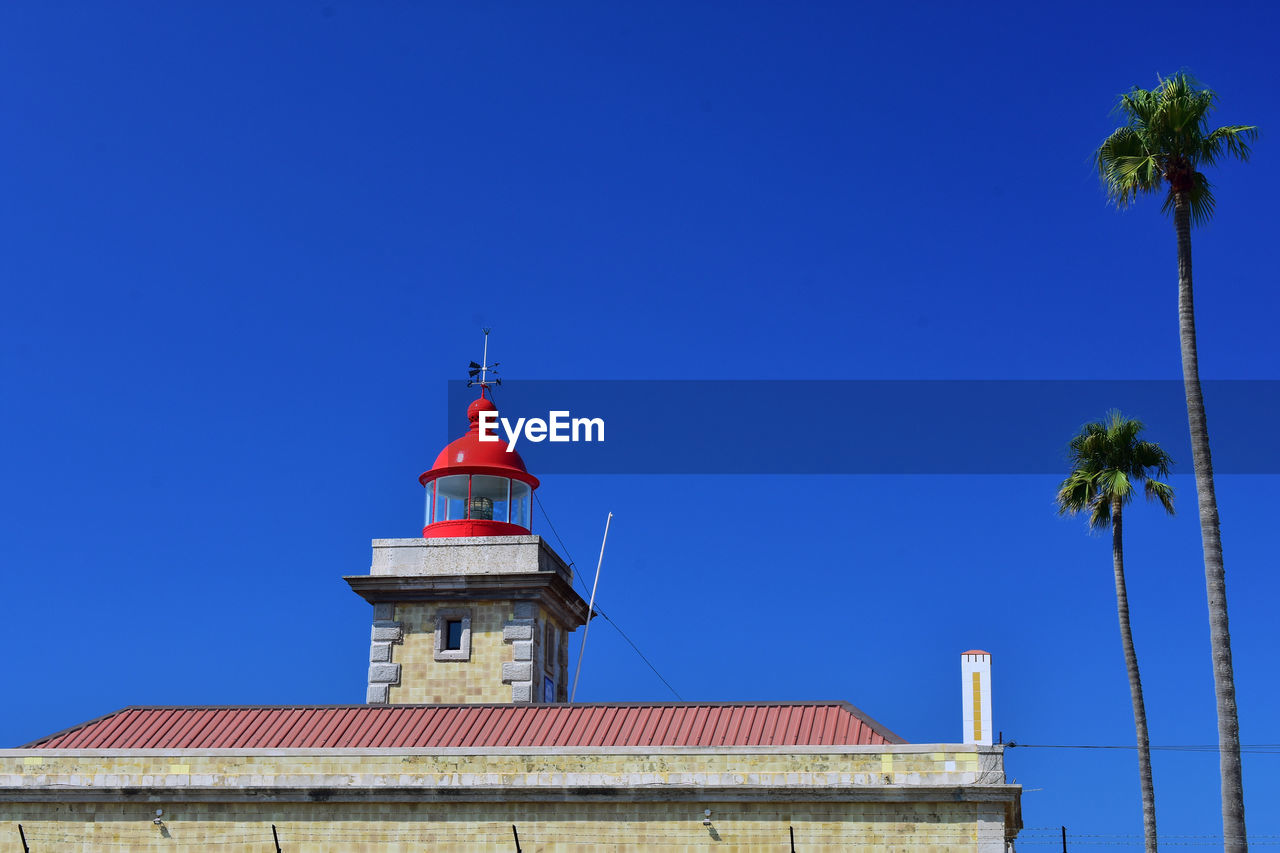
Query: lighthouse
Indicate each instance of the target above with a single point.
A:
(479, 608)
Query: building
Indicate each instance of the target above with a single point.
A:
(467, 740)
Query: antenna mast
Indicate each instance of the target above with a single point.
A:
(478, 374)
(586, 629)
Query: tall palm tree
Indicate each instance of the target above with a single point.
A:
(1108, 463)
(1164, 141)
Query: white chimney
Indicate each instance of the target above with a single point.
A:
(975, 674)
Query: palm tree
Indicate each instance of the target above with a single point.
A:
(1108, 463)
(1165, 140)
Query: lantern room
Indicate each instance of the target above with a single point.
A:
(478, 488)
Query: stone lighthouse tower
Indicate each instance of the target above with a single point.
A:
(478, 609)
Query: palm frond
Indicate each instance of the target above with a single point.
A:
(1100, 516)
(1074, 495)
(1233, 140)
(1115, 483)
(1201, 199)
(1162, 492)
(1126, 168)
(1148, 455)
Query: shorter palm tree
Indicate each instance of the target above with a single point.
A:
(1108, 463)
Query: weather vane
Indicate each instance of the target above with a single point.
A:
(478, 374)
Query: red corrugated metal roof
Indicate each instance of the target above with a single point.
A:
(463, 726)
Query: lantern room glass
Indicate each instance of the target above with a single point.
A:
(451, 497)
(490, 497)
(480, 497)
(521, 504)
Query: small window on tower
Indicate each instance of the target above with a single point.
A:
(548, 663)
(453, 634)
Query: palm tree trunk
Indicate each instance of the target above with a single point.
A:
(1135, 683)
(1233, 832)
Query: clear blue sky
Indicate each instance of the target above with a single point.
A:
(244, 248)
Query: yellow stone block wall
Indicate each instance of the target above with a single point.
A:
(543, 827)
(250, 781)
(479, 679)
(446, 768)
(425, 679)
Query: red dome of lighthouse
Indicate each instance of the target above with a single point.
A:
(473, 454)
(478, 488)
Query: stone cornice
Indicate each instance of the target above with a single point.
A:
(1007, 794)
(549, 589)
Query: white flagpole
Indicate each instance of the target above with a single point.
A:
(590, 608)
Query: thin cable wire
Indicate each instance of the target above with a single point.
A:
(556, 534)
(1252, 748)
(642, 657)
(616, 626)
